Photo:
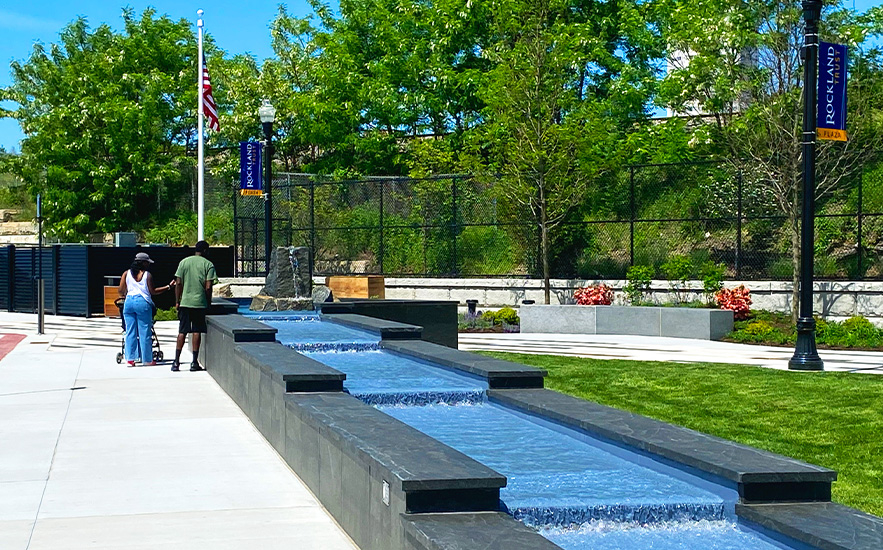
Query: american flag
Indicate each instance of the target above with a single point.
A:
(210, 109)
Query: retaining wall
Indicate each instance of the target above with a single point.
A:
(673, 322)
(834, 300)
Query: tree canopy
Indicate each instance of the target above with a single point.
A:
(107, 118)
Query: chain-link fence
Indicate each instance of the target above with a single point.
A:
(639, 215)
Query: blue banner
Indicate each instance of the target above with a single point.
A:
(831, 118)
(250, 168)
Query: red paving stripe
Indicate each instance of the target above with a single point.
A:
(8, 343)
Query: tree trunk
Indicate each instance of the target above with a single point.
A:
(795, 264)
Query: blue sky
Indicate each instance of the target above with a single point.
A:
(235, 28)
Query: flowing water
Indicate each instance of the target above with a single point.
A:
(578, 492)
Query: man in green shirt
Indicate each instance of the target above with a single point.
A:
(193, 295)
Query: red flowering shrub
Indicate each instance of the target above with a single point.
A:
(594, 295)
(737, 299)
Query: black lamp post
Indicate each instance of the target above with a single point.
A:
(806, 357)
(268, 114)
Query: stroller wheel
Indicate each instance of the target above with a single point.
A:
(158, 355)
(119, 358)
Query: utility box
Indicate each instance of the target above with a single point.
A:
(125, 238)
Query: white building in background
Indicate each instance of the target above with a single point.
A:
(680, 59)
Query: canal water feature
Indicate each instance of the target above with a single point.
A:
(578, 492)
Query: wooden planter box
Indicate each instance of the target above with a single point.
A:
(360, 286)
(672, 322)
(111, 293)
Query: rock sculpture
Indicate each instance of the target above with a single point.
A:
(289, 283)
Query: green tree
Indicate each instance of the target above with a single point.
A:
(107, 117)
(358, 85)
(739, 64)
(570, 81)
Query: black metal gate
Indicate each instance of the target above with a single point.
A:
(249, 232)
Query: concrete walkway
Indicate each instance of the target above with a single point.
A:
(644, 348)
(98, 455)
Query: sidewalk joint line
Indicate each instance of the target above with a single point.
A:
(54, 451)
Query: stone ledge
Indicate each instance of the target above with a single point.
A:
(672, 322)
(297, 372)
(220, 306)
(753, 472)
(824, 525)
(437, 318)
(468, 531)
(418, 462)
(241, 328)
(498, 373)
(388, 330)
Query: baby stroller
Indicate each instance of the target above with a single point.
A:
(157, 353)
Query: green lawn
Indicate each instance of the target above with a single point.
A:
(831, 419)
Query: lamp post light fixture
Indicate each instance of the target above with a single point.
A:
(806, 357)
(267, 114)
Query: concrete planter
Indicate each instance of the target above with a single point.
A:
(673, 322)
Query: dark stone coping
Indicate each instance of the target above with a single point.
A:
(468, 531)
(298, 373)
(758, 475)
(419, 462)
(824, 525)
(388, 330)
(499, 374)
(220, 306)
(438, 318)
(242, 329)
(349, 302)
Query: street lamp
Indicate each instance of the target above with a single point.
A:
(268, 114)
(806, 357)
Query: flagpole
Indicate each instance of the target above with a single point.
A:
(200, 199)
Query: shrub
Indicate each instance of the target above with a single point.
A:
(678, 269)
(594, 295)
(466, 321)
(737, 300)
(503, 316)
(637, 290)
(712, 276)
(759, 328)
(170, 314)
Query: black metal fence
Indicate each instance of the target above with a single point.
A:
(639, 215)
(74, 276)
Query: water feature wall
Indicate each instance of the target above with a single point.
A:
(377, 476)
(437, 319)
(352, 458)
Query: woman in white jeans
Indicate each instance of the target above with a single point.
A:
(136, 285)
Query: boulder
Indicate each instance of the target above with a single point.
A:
(271, 303)
(289, 275)
(322, 294)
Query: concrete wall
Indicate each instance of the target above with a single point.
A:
(673, 322)
(834, 300)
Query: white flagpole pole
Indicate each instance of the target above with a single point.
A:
(200, 199)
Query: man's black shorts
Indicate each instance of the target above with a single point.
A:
(191, 319)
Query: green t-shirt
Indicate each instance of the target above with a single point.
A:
(193, 272)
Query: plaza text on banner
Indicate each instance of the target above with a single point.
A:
(831, 117)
